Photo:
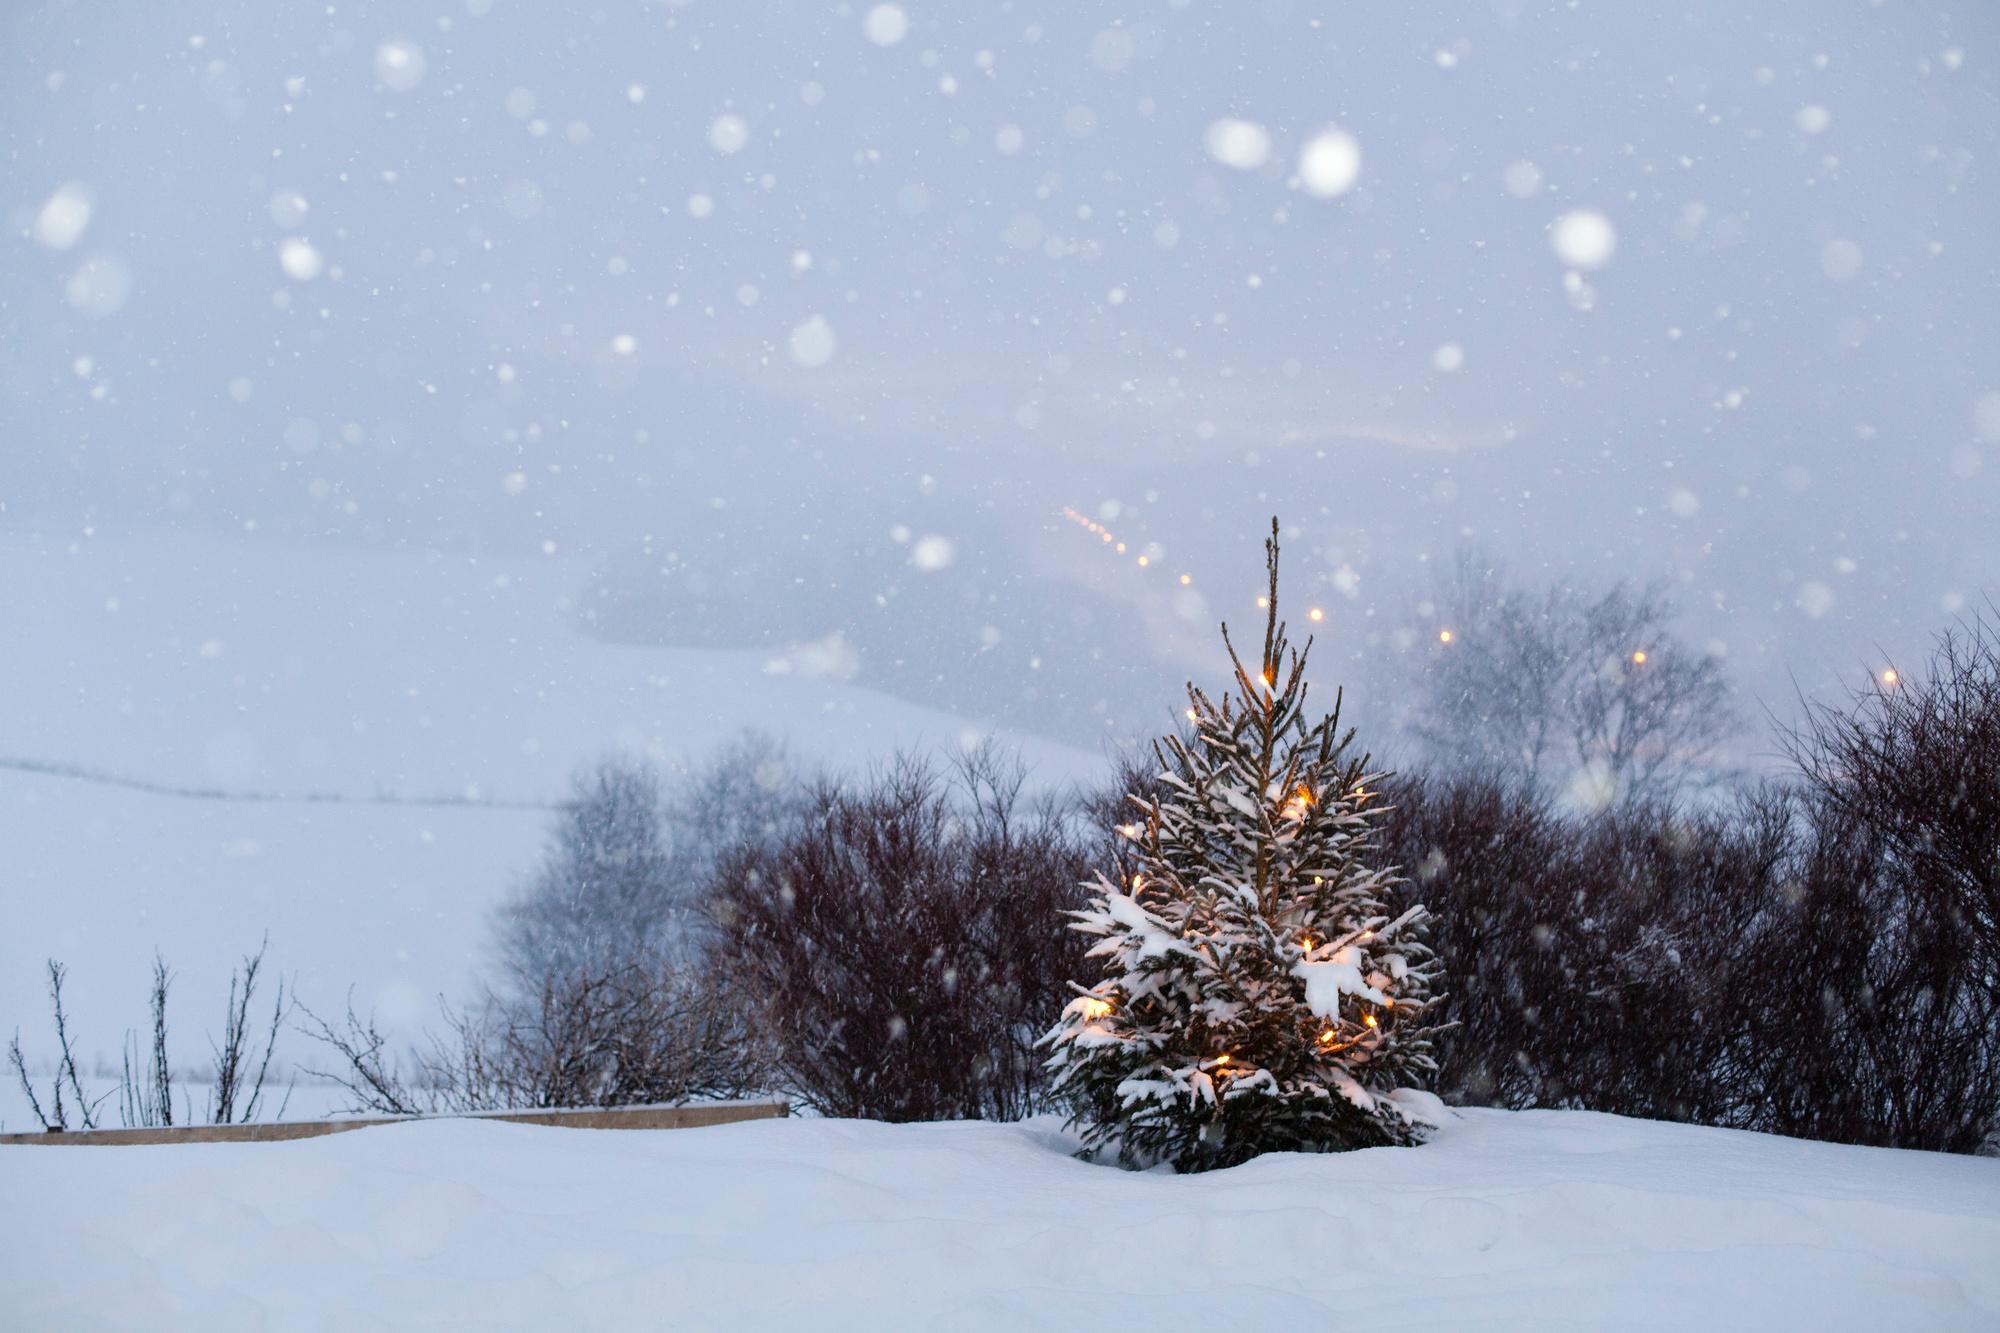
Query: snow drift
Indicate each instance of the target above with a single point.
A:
(1529, 1220)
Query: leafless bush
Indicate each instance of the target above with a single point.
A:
(645, 1033)
(905, 943)
(241, 1070)
(1596, 957)
(1892, 946)
(146, 1083)
(1916, 760)
(57, 1116)
(363, 1064)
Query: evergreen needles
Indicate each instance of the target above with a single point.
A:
(1259, 993)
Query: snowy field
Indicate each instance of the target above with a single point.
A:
(267, 667)
(1530, 1220)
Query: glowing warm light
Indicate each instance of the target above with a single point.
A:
(1221, 1060)
(1096, 1008)
(1190, 713)
(1263, 603)
(1137, 881)
(1186, 579)
(1121, 545)
(1316, 614)
(1639, 657)
(1889, 676)
(1444, 636)
(1144, 561)
(1328, 1035)
(1370, 1020)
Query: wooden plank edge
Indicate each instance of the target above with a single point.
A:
(690, 1116)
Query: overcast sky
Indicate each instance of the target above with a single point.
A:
(1705, 292)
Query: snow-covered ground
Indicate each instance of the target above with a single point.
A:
(1535, 1220)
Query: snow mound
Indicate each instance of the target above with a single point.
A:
(1530, 1220)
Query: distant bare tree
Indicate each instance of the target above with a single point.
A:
(605, 888)
(1592, 698)
(628, 863)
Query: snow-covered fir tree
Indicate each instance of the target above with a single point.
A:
(1259, 992)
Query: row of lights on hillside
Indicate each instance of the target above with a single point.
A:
(1109, 538)
(1888, 676)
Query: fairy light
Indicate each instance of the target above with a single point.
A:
(1369, 1020)
(1639, 657)
(1889, 676)
(1095, 1008)
(1144, 561)
(1186, 579)
(1190, 714)
(1444, 636)
(1316, 614)
(1263, 603)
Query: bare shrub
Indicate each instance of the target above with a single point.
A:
(57, 1115)
(639, 1035)
(146, 1083)
(905, 944)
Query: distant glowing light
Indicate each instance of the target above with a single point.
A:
(1889, 676)
(1444, 636)
(1639, 657)
(1316, 614)
(1144, 561)
(1370, 1020)
(1263, 603)
(1186, 579)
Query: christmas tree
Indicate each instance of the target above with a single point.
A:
(1259, 993)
